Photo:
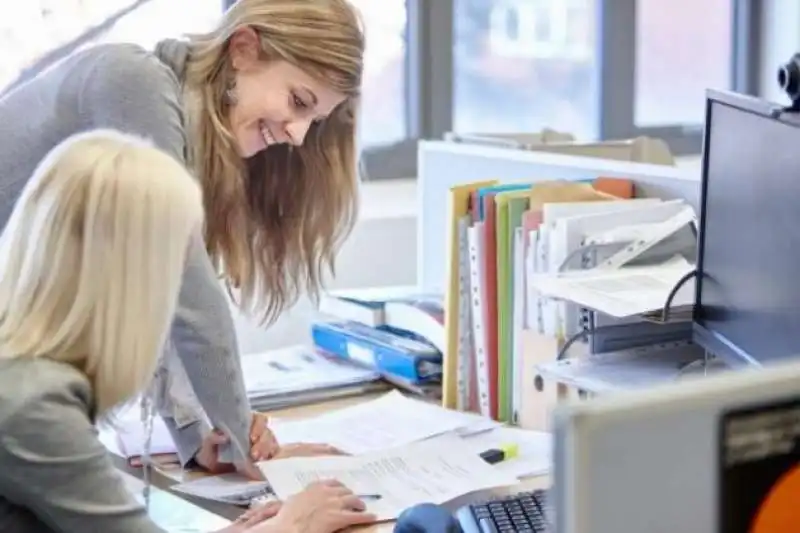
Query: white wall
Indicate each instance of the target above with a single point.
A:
(381, 251)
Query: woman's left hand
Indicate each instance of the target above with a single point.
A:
(253, 516)
(263, 444)
(306, 449)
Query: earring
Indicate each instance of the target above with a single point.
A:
(231, 97)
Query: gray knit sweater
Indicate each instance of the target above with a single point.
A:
(124, 87)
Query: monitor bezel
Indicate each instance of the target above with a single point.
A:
(703, 336)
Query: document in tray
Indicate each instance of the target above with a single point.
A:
(389, 421)
(234, 489)
(390, 481)
(298, 368)
(622, 293)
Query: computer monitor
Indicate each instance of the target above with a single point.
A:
(747, 308)
(718, 454)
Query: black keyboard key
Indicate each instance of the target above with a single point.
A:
(487, 526)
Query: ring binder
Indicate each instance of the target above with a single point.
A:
(465, 341)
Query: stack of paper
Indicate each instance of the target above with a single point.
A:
(391, 420)
(298, 375)
(393, 480)
(234, 489)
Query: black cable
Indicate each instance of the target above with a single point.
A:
(671, 296)
(562, 353)
(584, 334)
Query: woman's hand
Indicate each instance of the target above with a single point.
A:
(323, 507)
(263, 444)
(207, 458)
(209, 452)
(253, 516)
(306, 449)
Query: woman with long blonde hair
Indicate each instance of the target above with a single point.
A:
(262, 111)
(91, 262)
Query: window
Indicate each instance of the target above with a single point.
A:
(383, 102)
(680, 51)
(598, 69)
(43, 32)
(522, 65)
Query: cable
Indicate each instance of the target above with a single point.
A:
(584, 334)
(671, 296)
(562, 353)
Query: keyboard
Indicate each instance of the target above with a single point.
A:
(522, 512)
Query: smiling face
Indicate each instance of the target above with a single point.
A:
(275, 101)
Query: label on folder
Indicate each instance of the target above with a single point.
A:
(759, 486)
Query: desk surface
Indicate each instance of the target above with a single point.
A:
(165, 478)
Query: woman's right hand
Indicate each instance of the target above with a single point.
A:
(323, 507)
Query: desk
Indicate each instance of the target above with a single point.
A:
(165, 478)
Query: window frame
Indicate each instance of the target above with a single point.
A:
(429, 77)
(617, 31)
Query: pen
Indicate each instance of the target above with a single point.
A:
(500, 454)
(371, 497)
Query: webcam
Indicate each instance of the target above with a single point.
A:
(789, 81)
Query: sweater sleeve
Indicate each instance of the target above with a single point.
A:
(54, 466)
(130, 90)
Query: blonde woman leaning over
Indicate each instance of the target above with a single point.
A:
(91, 262)
(261, 110)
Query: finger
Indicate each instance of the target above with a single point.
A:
(265, 448)
(217, 438)
(333, 450)
(261, 513)
(324, 449)
(256, 430)
(333, 483)
(258, 427)
(351, 502)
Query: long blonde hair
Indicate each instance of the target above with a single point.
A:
(92, 257)
(275, 223)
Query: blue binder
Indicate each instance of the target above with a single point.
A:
(388, 353)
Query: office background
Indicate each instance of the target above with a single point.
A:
(599, 69)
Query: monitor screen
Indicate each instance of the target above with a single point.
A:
(748, 286)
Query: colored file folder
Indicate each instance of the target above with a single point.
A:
(459, 206)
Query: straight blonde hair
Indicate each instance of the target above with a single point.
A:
(91, 261)
(276, 222)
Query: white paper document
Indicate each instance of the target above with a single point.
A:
(434, 471)
(296, 369)
(227, 488)
(387, 422)
(535, 449)
(625, 292)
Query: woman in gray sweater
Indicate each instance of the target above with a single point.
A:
(261, 111)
